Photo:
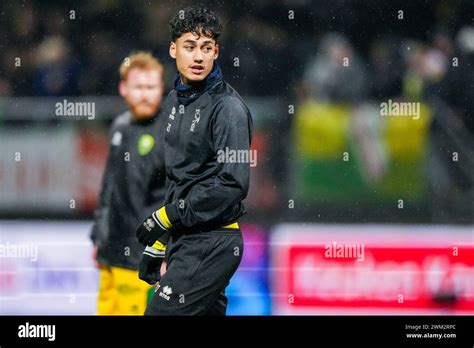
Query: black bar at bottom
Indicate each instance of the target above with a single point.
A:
(315, 331)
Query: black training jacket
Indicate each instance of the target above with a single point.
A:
(133, 184)
(205, 191)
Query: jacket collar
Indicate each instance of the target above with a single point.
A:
(187, 93)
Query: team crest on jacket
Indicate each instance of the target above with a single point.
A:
(145, 144)
(173, 112)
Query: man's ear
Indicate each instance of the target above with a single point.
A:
(216, 51)
(173, 50)
(122, 88)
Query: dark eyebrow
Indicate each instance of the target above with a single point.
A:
(207, 42)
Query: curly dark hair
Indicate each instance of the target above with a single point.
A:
(197, 20)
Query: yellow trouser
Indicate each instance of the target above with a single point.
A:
(121, 292)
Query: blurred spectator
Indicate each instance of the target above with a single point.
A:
(412, 85)
(56, 73)
(336, 73)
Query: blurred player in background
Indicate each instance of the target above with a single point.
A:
(133, 185)
(198, 222)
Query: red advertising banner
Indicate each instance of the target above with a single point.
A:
(357, 269)
(54, 173)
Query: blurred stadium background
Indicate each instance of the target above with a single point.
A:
(331, 168)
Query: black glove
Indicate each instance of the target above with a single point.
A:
(150, 264)
(153, 229)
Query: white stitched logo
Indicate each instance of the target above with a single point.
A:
(197, 117)
(166, 292)
(149, 224)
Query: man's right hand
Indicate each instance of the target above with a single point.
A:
(163, 268)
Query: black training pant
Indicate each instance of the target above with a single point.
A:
(199, 269)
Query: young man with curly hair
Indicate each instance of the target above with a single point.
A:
(198, 224)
